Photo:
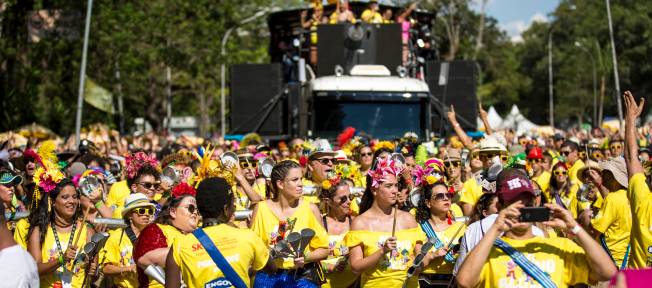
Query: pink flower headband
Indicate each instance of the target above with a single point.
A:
(384, 168)
(137, 161)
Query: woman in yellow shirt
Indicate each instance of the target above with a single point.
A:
(178, 217)
(242, 248)
(336, 199)
(436, 220)
(380, 252)
(55, 235)
(117, 255)
(561, 191)
(274, 219)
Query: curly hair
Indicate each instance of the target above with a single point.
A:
(44, 214)
(423, 212)
(143, 171)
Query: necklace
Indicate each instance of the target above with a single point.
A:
(56, 239)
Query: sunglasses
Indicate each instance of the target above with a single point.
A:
(598, 156)
(452, 163)
(535, 160)
(149, 185)
(565, 153)
(366, 154)
(191, 208)
(523, 142)
(616, 146)
(344, 199)
(326, 161)
(442, 196)
(248, 164)
(144, 211)
(560, 172)
(582, 154)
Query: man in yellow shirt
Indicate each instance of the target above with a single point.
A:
(117, 255)
(569, 150)
(321, 162)
(371, 14)
(612, 224)
(243, 250)
(509, 255)
(539, 174)
(638, 192)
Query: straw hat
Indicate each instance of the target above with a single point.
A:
(134, 201)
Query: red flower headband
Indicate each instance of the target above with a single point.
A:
(137, 161)
(183, 189)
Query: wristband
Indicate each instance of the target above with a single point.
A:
(574, 231)
(99, 204)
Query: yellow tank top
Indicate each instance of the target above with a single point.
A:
(338, 250)
(439, 265)
(266, 226)
(242, 248)
(391, 271)
(49, 252)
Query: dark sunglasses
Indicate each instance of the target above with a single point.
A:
(149, 185)
(326, 161)
(565, 153)
(442, 196)
(535, 160)
(366, 154)
(560, 172)
(344, 199)
(452, 163)
(144, 211)
(248, 164)
(191, 208)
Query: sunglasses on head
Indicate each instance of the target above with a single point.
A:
(442, 196)
(144, 211)
(561, 172)
(449, 164)
(326, 161)
(191, 208)
(149, 185)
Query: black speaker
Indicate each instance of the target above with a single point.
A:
(350, 44)
(253, 91)
(453, 83)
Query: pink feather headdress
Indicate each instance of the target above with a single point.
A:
(384, 168)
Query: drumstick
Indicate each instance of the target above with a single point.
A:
(394, 225)
(88, 209)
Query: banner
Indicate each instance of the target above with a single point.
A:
(98, 97)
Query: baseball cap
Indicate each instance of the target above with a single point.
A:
(9, 178)
(512, 183)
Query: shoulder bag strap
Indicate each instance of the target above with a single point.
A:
(131, 235)
(218, 258)
(603, 243)
(528, 267)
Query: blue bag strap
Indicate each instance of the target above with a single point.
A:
(219, 259)
(623, 264)
(528, 267)
(427, 228)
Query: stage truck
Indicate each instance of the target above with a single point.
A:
(327, 77)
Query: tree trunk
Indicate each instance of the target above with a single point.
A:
(478, 42)
(203, 114)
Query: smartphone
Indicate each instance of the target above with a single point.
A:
(534, 214)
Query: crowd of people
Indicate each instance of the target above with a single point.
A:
(493, 210)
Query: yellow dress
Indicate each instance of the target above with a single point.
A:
(391, 271)
(440, 265)
(338, 250)
(266, 226)
(242, 248)
(561, 258)
(118, 251)
(640, 199)
(49, 252)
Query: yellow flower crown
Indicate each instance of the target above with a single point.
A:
(212, 168)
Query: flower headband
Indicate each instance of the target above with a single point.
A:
(427, 176)
(47, 175)
(330, 182)
(384, 168)
(183, 189)
(136, 161)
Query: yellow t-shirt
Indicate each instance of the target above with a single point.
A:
(20, 232)
(49, 252)
(242, 248)
(439, 265)
(242, 201)
(171, 233)
(118, 251)
(116, 197)
(338, 250)
(391, 271)
(266, 226)
(369, 16)
(456, 210)
(560, 258)
(543, 180)
(471, 192)
(572, 172)
(640, 200)
(614, 222)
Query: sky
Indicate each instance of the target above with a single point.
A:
(515, 16)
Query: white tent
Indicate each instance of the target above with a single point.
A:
(494, 119)
(515, 120)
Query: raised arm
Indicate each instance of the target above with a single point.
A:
(452, 117)
(632, 112)
(485, 119)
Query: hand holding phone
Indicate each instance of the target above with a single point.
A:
(534, 214)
